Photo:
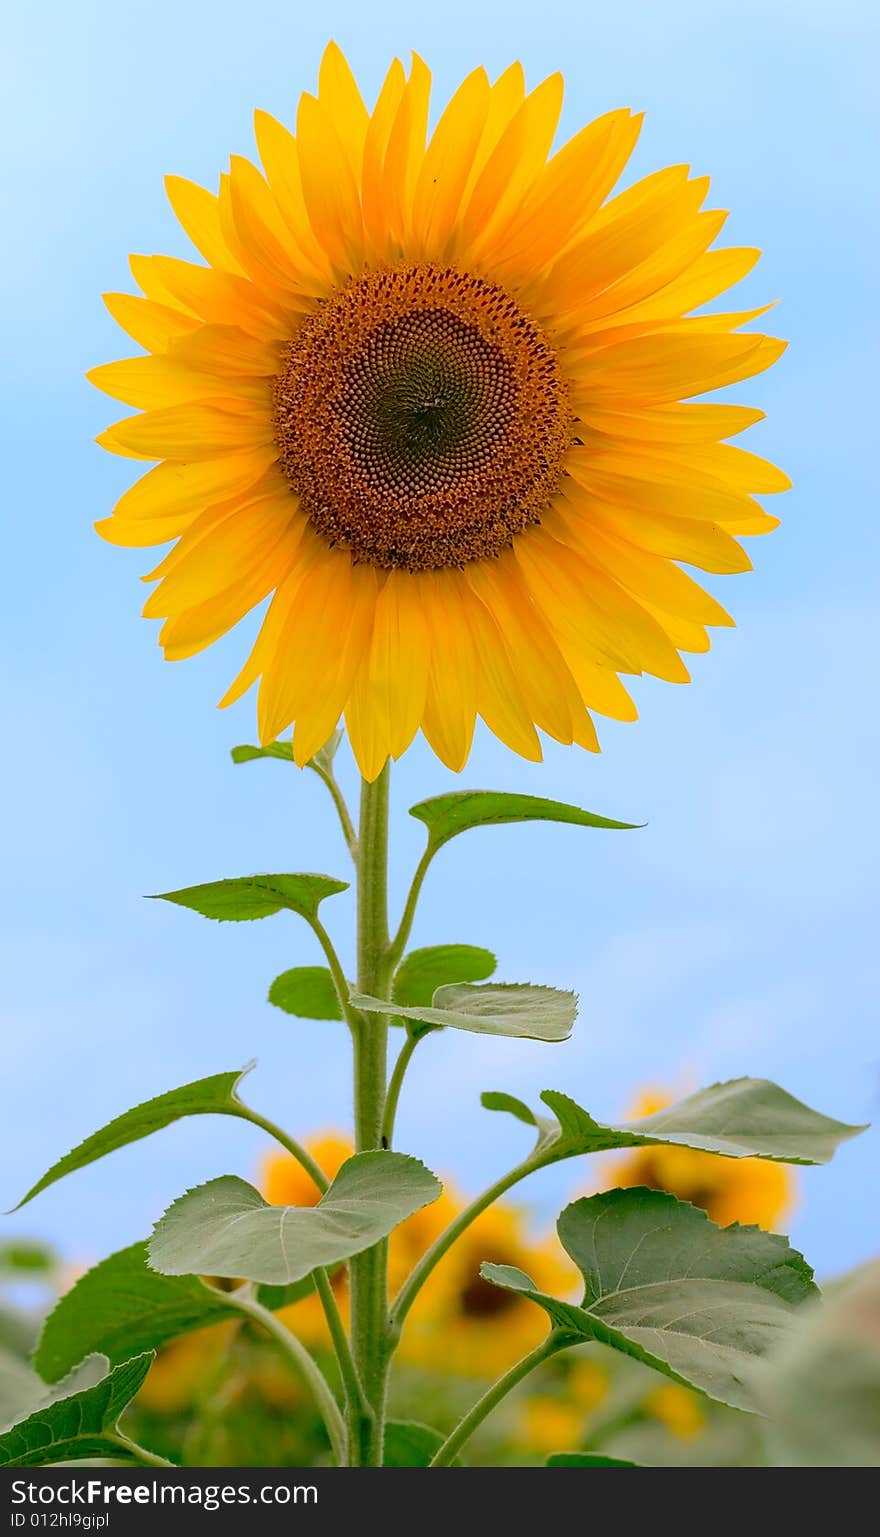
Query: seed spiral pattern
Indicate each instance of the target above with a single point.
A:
(421, 418)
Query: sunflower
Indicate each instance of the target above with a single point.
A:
(463, 1325)
(746, 1190)
(426, 397)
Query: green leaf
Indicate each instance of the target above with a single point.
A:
(247, 754)
(445, 816)
(80, 1425)
(24, 1259)
(743, 1118)
(121, 1308)
(207, 1096)
(307, 991)
(225, 1228)
(246, 897)
(587, 1460)
(502, 1008)
(409, 1444)
(821, 1390)
(20, 1388)
(666, 1286)
(422, 972)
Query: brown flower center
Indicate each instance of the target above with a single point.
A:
(421, 418)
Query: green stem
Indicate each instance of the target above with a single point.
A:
(499, 1390)
(354, 1392)
(305, 1365)
(328, 778)
(395, 1083)
(290, 1144)
(339, 978)
(132, 1449)
(432, 1256)
(398, 943)
(369, 1271)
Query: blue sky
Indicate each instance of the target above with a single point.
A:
(735, 934)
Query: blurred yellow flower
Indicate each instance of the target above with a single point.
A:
(546, 1424)
(459, 1323)
(180, 1371)
(746, 1190)
(588, 1384)
(679, 1409)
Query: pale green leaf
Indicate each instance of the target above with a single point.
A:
(207, 1096)
(80, 1425)
(245, 897)
(422, 971)
(25, 1259)
(587, 1460)
(501, 1008)
(743, 1118)
(408, 1444)
(246, 754)
(20, 1388)
(456, 812)
(225, 1228)
(307, 991)
(122, 1308)
(821, 1390)
(665, 1285)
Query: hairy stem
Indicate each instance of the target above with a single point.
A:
(398, 943)
(499, 1390)
(395, 1084)
(327, 777)
(132, 1449)
(306, 1366)
(369, 1271)
(354, 1393)
(290, 1145)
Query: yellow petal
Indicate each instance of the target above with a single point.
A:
(379, 130)
(447, 164)
(224, 545)
(405, 153)
(649, 578)
(549, 691)
(198, 430)
(698, 544)
(673, 424)
(512, 167)
(569, 190)
(613, 246)
(499, 700)
(156, 381)
(657, 369)
(710, 275)
(174, 490)
(228, 350)
(451, 700)
(655, 273)
(264, 240)
(280, 158)
(393, 681)
(144, 270)
(331, 194)
(657, 486)
(151, 325)
(194, 628)
(222, 298)
(338, 90)
(197, 211)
